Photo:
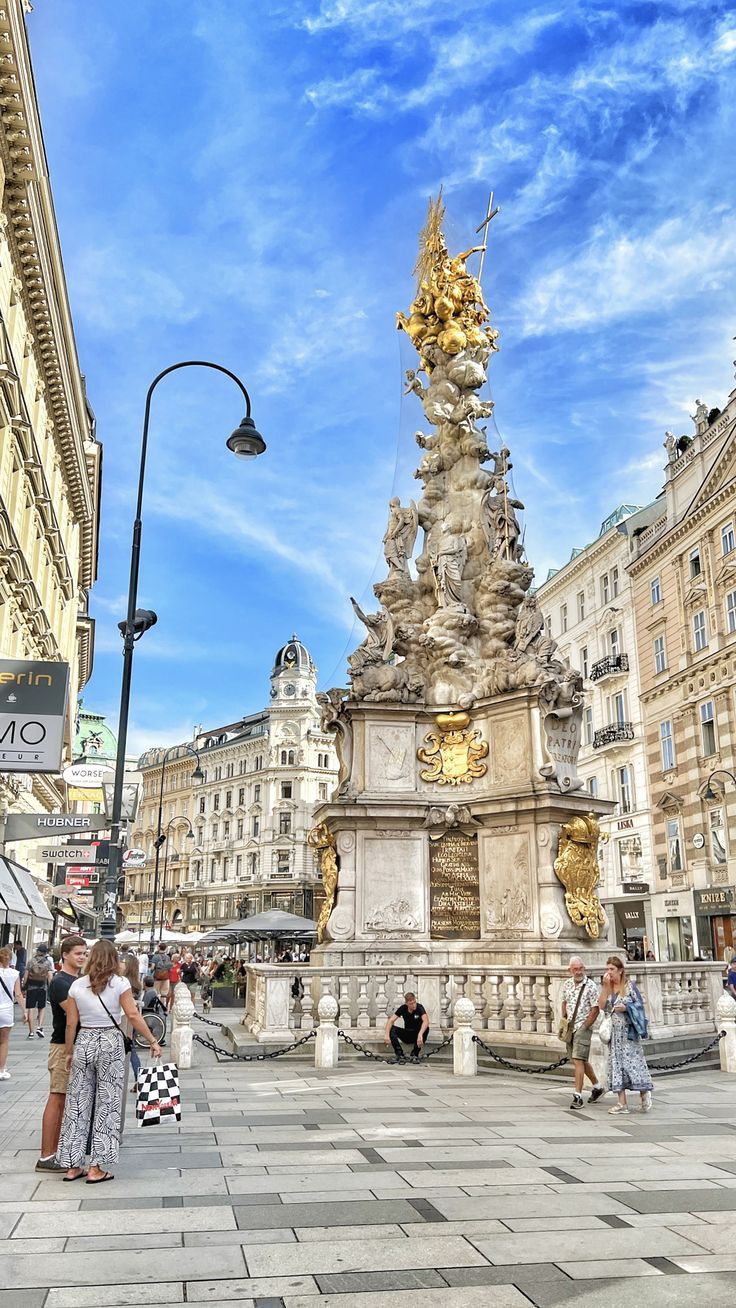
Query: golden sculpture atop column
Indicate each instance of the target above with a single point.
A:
(324, 844)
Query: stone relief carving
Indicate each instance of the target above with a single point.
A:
(507, 883)
(398, 915)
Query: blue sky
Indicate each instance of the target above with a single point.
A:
(245, 183)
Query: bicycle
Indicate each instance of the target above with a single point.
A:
(155, 1020)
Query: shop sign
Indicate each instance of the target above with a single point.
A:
(87, 776)
(81, 878)
(33, 701)
(715, 901)
(635, 887)
(134, 858)
(672, 905)
(66, 853)
(30, 826)
(625, 824)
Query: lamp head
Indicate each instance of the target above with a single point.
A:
(709, 793)
(246, 441)
(190, 834)
(198, 774)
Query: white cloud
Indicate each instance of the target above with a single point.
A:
(362, 91)
(618, 275)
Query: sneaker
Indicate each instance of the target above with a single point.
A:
(618, 1108)
(596, 1093)
(414, 1058)
(29, 1036)
(4, 1076)
(646, 1102)
(577, 1102)
(49, 1165)
(400, 1058)
(40, 1035)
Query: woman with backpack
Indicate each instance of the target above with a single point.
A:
(39, 972)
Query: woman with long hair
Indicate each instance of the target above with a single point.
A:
(98, 1001)
(621, 1000)
(10, 993)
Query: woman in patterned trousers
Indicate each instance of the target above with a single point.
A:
(97, 1003)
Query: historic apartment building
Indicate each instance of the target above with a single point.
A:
(50, 460)
(589, 610)
(264, 775)
(682, 566)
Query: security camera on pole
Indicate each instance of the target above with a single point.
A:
(245, 442)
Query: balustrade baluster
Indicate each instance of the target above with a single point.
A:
(545, 1007)
(478, 998)
(363, 1019)
(345, 1014)
(381, 1000)
(511, 1007)
(495, 1002)
(528, 1016)
(307, 1021)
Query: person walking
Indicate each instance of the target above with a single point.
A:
(21, 959)
(38, 975)
(10, 993)
(73, 954)
(580, 1013)
(190, 972)
(98, 1000)
(414, 1031)
(161, 968)
(620, 999)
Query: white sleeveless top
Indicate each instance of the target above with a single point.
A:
(91, 1012)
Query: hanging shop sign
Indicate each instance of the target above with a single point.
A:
(35, 826)
(87, 776)
(33, 704)
(715, 902)
(134, 858)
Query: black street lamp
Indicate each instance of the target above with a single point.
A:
(245, 442)
(190, 836)
(161, 834)
(709, 793)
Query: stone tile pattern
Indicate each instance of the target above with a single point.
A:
(375, 1184)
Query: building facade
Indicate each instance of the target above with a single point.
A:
(682, 566)
(589, 610)
(50, 459)
(264, 775)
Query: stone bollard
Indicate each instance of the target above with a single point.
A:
(182, 1042)
(325, 1046)
(726, 1021)
(464, 1050)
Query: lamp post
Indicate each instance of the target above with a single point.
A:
(245, 442)
(709, 793)
(197, 775)
(190, 836)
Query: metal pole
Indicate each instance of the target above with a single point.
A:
(110, 903)
(158, 842)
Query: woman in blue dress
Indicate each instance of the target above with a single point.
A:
(621, 1000)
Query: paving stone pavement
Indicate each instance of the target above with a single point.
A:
(373, 1185)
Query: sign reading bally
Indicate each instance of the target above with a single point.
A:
(33, 700)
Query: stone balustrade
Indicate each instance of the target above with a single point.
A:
(517, 1004)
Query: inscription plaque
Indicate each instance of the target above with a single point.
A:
(454, 890)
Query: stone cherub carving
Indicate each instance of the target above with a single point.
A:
(401, 533)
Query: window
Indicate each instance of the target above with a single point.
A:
(218, 774)
(243, 766)
(213, 870)
(605, 589)
(215, 830)
(731, 611)
(258, 762)
(614, 640)
(624, 789)
(283, 756)
(700, 630)
(202, 805)
(660, 654)
(228, 799)
(229, 770)
(593, 786)
(614, 582)
(282, 863)
(629, 858)
(563, 618)
(588, 726)
(581, 605)
(252, 864)
(292, 758)
(225, 868)
(239, 829)
(215, 802)
(666, 745)
(728, 540)
(239, 865)
(695, 565)
(674, 845)
(548, 627)
(707, 728)
(284, 824)
(226, 829)
(717, 835)
(241, 796)
(200, 835)
(257, 793)
(256, 828)
(618, 705)
(322, 791)
(655, 590)
(584, 661)
(286, 789)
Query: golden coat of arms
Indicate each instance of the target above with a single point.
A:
(455, 752)
(577, 868)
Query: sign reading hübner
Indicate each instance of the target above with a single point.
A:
(33, 826)
(33, 699)
(454, 890)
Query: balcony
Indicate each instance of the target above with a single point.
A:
(611, 666)
(615, 733)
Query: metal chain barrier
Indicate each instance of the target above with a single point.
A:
(692, 1058)
(380, 1058)
(207, 1020)
(516, 1067)
(250, 1058)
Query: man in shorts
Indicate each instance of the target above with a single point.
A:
(414, 1030)
(73, 954)
(38, 974)
(580, 999)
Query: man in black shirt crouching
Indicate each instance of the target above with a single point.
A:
(414, 1031)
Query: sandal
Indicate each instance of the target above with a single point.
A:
(78, 1177)
(98, 1180)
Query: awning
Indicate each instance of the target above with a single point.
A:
(30, 892)
(76, 907)
(14, 910)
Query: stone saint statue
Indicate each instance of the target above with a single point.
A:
(701, 416)
(670, 444)
(529, 623)
(378, 644)
(501, 525)
(400, 536)
(448, 562)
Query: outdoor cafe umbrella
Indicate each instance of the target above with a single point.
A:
(271, 925)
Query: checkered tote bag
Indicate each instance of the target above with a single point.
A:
(158, 1095)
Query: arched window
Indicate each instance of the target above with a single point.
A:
(283, 756)
(291, 756)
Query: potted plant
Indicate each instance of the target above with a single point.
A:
(223, 990)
